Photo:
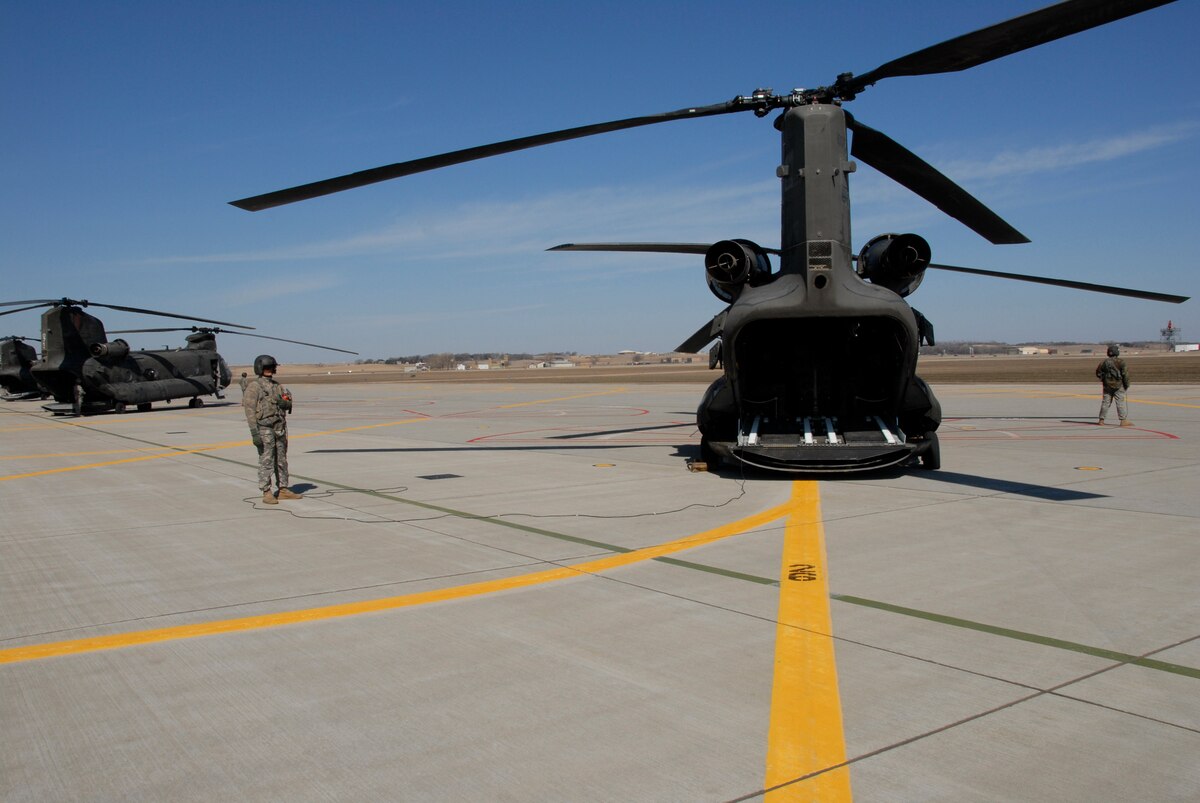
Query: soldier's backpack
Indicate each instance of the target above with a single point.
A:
(1110, 374)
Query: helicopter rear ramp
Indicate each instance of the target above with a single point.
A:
(818, 444)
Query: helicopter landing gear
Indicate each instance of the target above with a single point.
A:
(119, 407)
(931, 455)
(144, 407)
(196, 402)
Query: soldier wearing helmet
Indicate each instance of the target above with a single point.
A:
(267, 404)
(1114, 381)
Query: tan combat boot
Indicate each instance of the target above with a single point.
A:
(288, 493)
(1127, 423)
(268, 499)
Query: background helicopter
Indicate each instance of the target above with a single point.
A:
(819, 356)
(85, 372)
(16, 359)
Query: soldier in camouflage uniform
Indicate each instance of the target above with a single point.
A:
(1114, 381)
(243, 382)
(267, 404)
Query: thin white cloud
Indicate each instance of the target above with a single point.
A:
(1069, 155)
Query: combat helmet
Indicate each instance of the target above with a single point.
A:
(1114, 350)
(264, 361)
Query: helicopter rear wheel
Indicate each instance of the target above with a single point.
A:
(197, 402)
(931, 456)
(119, 407)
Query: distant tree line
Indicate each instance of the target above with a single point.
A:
(444, 360)
(984, 348)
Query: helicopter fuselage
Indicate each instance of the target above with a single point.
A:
(84, 371)
(819, 365)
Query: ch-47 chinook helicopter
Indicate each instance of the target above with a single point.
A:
(16, 359)
(87, 373)
(819, 356)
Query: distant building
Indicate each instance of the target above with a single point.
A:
(1187, 347)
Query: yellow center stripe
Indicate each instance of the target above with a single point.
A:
(116, 641)
(805, 734)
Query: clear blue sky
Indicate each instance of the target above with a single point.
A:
(127, 127)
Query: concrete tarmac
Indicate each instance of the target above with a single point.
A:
(518, 592)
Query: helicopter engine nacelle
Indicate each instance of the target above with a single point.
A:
(732, 264)
(116, 350)
(895, 261)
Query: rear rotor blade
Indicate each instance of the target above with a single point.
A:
(377, 174)
(1004, 38)
(1095, 288)
(704, 335)
(645, 248)
(906, 168)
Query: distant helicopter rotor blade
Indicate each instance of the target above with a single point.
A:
(163, 314)
(1003, 39)
(906, 168)
(70, 302)
(298, 342)
(400, 169)
(22, 309)
(37, 302)
(217, 331)
(1095, 288)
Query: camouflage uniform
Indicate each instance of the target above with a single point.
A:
(243, 382)
(1114, 381)
(266, 414)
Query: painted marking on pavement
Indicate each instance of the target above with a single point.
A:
(1020, 635)
(805, 737)
(119, 640)
(563, 398)
(175, 452)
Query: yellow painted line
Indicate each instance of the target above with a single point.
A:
(132, 418)
(805, 734)
(79, 454)
(196, 450)
(563, 398)
(117, 641)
